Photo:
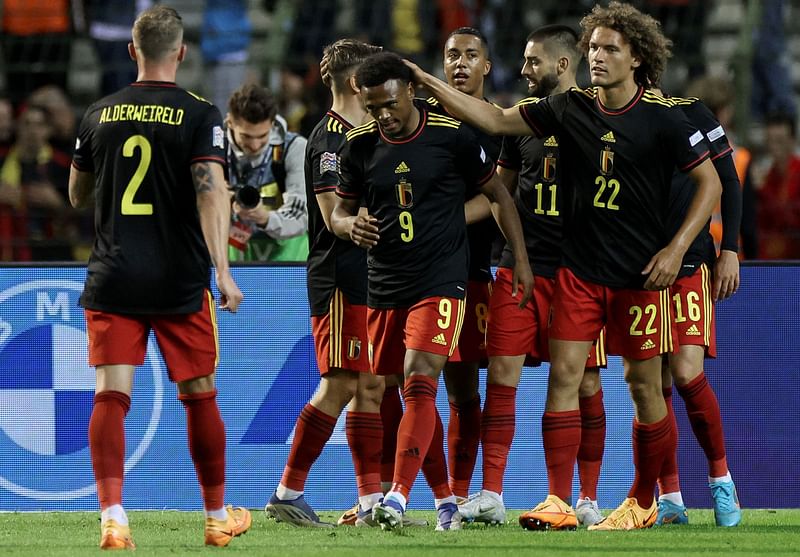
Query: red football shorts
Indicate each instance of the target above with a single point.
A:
(431, 325)
(472, 340)
(513, 331)
(340, 336)
(693, 311)
(188, 342)
(638, 322)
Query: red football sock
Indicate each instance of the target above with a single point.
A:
(463, 436)
(593, 443)
(704, 415)
(561, 438)
(391, 414)
(497, 433)
(365, 435)
(434, 466)
(668, 479)
(311, 432)
(651, 444)
(415, 432)
(206, 445)
(107, 445)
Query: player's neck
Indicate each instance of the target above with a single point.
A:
(619, 95)
(564, 85)
(157, 72)
(350, 108)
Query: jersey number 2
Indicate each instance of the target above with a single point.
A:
(128, 150)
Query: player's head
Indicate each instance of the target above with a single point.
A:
(619, 41)
(343, 58)
(387, 92)
(717, 93)
(158, 35)
(466, 60)
(551, 55)
(251, 113)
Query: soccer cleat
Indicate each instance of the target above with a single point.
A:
(219, 533)
(628, 516)
(670, 513)
(727, 511)
(588, 512)
(114, 535)
(550, 514)
(408, 521)
(448, 517)
(388, 514)
(483, 506)
(349, 517)
(294, 511)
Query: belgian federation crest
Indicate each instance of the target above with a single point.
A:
(405, 195)
(606, 161)
(353, 348)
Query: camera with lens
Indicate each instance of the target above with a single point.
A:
(248, 196)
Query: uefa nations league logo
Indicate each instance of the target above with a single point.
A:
(47, 392)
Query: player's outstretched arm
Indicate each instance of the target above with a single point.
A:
(476, 112)
(664, 266)
(348, 223)
(507, 217)
(213, 204)
(81, 188)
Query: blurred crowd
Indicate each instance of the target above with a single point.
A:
(38, 118)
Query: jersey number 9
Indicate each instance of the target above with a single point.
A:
(407, 224)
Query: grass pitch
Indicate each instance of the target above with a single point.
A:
(763, 532)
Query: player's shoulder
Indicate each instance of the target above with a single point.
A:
(361, 133)
(527, 100)
(651, 98)
(436, 120)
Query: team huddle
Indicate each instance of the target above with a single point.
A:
(602, 198)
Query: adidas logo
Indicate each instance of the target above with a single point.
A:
(648, 344)
(694, 331)
(608, 138)
(551, 141)
(402, 167)
(439, 339)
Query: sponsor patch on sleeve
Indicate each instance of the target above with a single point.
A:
(696, 138)
(716, 133)
(218, 137)
(328, 162)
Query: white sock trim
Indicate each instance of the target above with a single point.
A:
(286, 494)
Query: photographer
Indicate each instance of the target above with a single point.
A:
(266, 175)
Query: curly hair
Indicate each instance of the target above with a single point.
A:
(380, 68)
(641, 31)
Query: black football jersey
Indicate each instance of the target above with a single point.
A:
(539, 198)
(332, 262)
(415, 187)
(149, 254)
(480, 235)
(619, 165)
(683, 188)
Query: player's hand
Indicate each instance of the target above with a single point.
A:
(364, 231)
(523, 277)
(417, 74)
(726, 275)
(230, 295)
(662, 269)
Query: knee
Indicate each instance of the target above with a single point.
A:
(370, 391)
(590, 384)
(684, 372)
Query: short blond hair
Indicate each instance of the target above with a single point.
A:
(157, 32)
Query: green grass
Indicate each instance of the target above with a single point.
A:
(763, 532)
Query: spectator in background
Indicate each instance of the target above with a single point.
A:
(718, 94)
(779, 195)
(224, 42)
(772, 90)
(6, 125)
(62, 117)
(267, 174)
(33, 182)
(110, 24)
(36, 44)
